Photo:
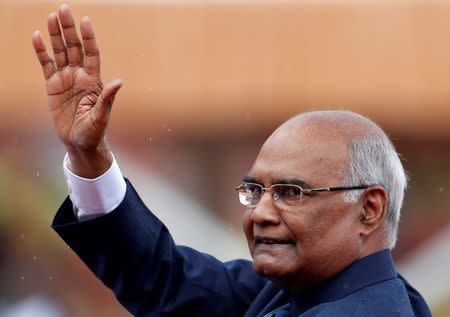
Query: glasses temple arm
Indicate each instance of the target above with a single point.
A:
(335, 189)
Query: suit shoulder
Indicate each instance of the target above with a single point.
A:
(385, 299)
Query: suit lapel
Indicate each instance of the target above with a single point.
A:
(270, 298)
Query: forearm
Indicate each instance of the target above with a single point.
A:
(132, 252)
(111, 246)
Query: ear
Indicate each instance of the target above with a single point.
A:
(374, 208)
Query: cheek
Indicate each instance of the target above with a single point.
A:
(299, 224)
(318, 224)
(247, 224)
(334, 229)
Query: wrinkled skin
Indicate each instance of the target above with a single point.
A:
(79, 103)
(298, 247)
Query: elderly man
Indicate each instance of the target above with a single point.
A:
(322, 200)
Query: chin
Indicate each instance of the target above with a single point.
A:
(283, 275)
(271, 268)
(286, 282)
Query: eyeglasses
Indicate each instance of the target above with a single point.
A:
(289, 194)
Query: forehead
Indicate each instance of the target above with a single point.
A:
(306, 153)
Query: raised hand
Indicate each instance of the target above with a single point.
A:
(79, 104)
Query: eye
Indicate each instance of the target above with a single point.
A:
(253, 189)
(249, 194)
(292, 191)
(290, 194)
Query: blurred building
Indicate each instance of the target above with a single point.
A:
(205, 83)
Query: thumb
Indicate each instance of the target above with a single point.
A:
(106, 99)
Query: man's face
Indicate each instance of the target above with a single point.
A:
(300, 246)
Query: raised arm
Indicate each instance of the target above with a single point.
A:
(79, 103)
(128, 249)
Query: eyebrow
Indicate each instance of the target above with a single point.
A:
(294, 181)
(250, 179)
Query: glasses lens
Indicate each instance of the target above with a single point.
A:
(289, 194)
(249, 194)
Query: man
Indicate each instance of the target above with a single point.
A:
(322, 199)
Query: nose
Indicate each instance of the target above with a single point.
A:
(265, 211)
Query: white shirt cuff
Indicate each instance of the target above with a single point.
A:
(95, 197)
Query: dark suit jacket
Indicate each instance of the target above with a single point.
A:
(132, 252)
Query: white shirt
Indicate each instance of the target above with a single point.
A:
(95, 197)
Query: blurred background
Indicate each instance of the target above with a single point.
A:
(205, 83)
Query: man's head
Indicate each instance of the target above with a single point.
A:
(298, 246)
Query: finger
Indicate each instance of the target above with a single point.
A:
(106, 99)
(73, 44)
(91, 52)
(47, 64)
(59, 48)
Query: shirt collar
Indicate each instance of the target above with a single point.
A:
(363, 272)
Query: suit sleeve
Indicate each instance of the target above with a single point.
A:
(133, 254)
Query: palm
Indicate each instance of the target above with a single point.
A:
(72, 95)
(78, 103)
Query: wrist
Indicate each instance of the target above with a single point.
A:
(92, 163)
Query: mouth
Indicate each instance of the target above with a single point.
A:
(260, 240)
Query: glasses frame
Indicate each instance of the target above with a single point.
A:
(302, 191)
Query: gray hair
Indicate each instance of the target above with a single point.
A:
(374, 160)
